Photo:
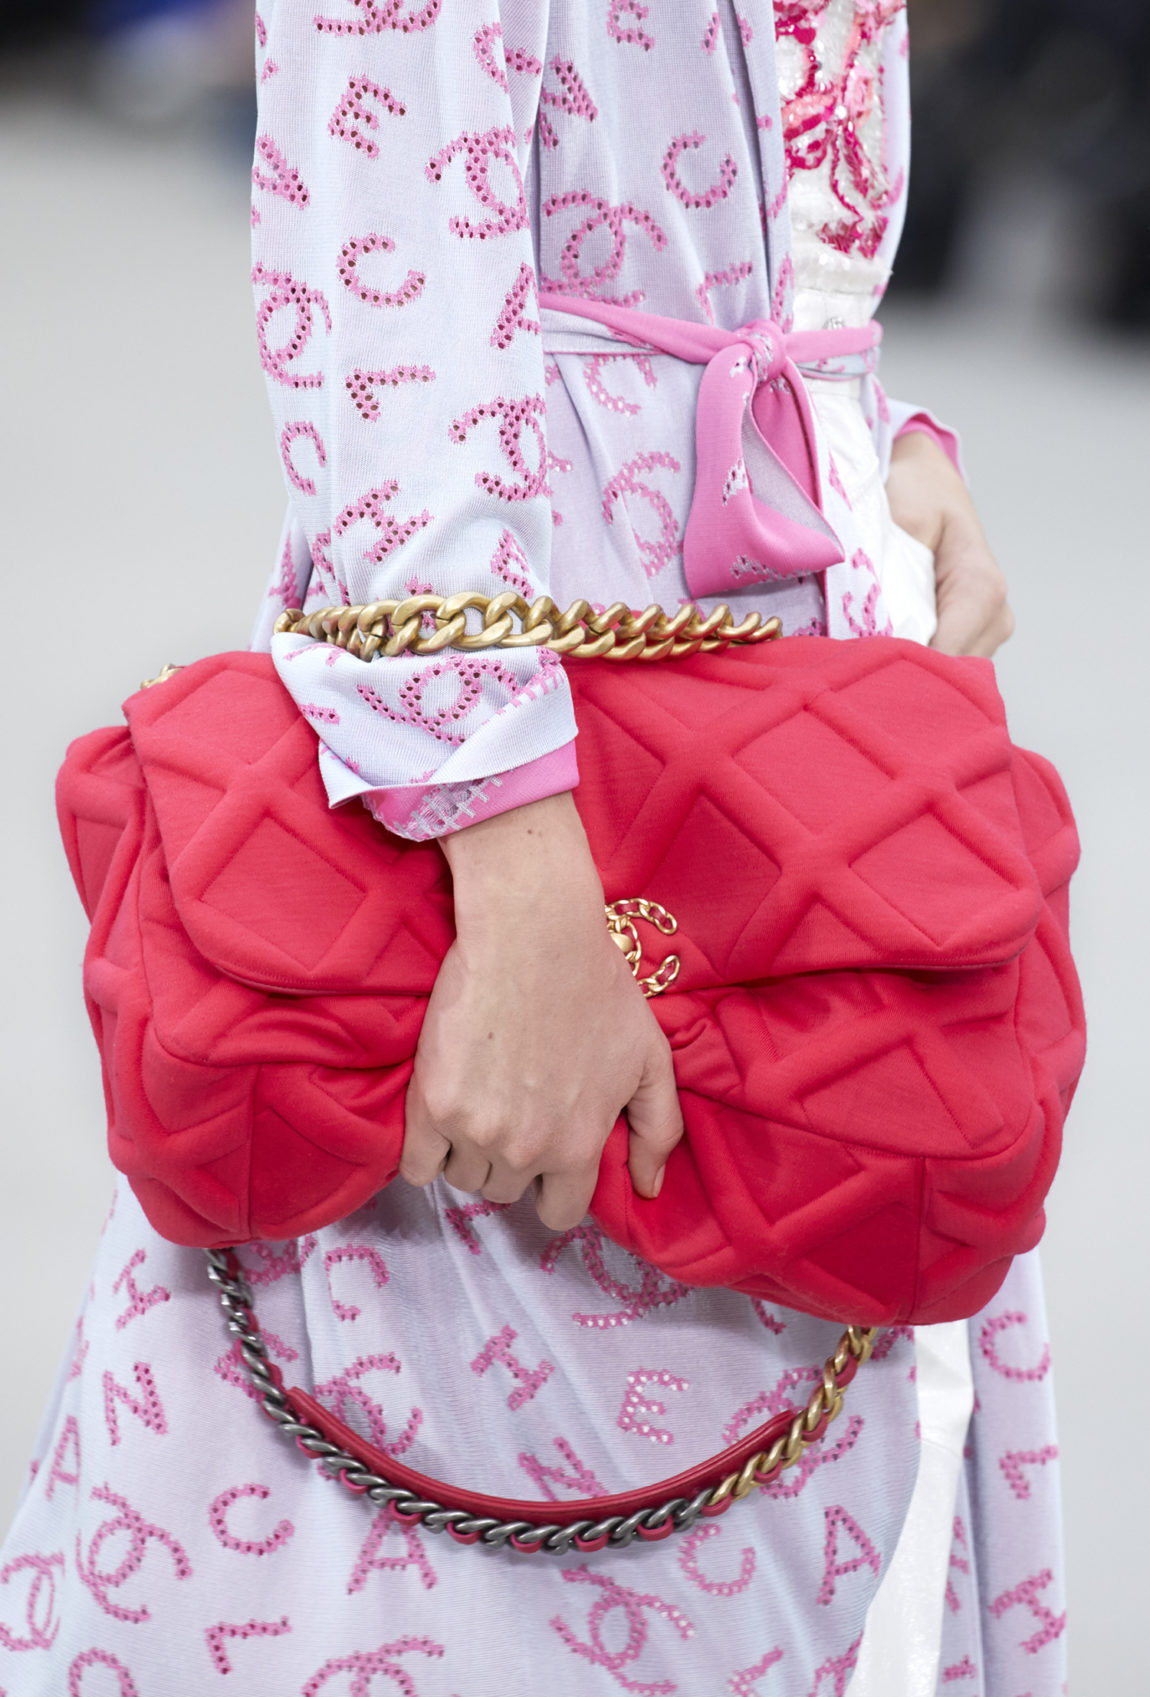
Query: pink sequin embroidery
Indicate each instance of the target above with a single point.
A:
(601, 215)
(40, 1619)
(1027, 1595)
(655, 552)
(825, 118)
(688, 1561)
(217, 1635)
(218, 1513)
(147, 1407)
(576, 1478)
(365, 1663)
(635, 1608)
(529, 1381)
(280, 177)
(370, 1561)
(360, 385)
(740, 1683)
(638, 1404)
(837, 1519)
(375, 16)
(359, 247)
(988, 1344)
(482, 152)
(619, 29)
(353, 117)
(100, 1580)
(77, 1672)
(696, 200)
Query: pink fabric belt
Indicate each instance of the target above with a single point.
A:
(756, 512)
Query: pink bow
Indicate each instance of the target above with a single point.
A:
(752, 407)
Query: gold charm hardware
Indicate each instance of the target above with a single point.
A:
(162, 676)
(621, 917)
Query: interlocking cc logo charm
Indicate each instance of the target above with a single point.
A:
(621, 917)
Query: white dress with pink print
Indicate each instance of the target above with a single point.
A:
(418, 168)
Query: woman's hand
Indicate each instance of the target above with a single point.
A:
(929, 499)
(536, 1036)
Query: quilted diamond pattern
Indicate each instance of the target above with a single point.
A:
(877, 1027)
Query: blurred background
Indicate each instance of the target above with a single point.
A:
(142, 499)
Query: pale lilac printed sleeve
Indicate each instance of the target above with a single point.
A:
(395, 282)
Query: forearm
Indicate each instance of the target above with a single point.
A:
(526, 868)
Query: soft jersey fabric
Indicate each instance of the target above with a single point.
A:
(169, 1542)
(416, 173)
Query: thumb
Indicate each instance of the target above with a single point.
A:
(655, 1119)
(974, 616)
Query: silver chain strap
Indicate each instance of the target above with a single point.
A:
(237, 1300)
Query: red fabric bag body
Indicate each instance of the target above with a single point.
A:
(877, 1026)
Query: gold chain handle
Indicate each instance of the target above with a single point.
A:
(426, 624)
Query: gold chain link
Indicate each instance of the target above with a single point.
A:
(510, 621)
(621, 917)
(808, 1424)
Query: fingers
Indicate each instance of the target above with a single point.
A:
(565, 1197)
(655, 1119)
(973, 623)
(468, 1169)
(494, 1127)
(429, 1152)
(929, 499)
(974, 616)
(960, 626)
(425, 1150)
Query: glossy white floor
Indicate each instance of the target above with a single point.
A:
(141, 503)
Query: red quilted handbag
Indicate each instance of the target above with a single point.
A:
(876, 1022)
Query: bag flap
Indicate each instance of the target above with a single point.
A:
(275, 888)
(99, 807)
(810, 806)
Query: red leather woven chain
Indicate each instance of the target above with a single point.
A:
(586, 1524)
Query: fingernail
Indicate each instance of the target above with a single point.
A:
(658, 1184)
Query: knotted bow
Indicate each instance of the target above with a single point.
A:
(756, 512)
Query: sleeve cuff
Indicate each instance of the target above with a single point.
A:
(422, 811)
(927, 425)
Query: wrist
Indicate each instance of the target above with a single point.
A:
(917, 454)
(925, 492)
(536, 856)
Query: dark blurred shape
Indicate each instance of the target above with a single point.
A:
(1052, 86)
(168, 64)
(28, 23)
(174, 61)
(110, 15)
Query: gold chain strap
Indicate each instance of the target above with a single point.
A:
(426, 624)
